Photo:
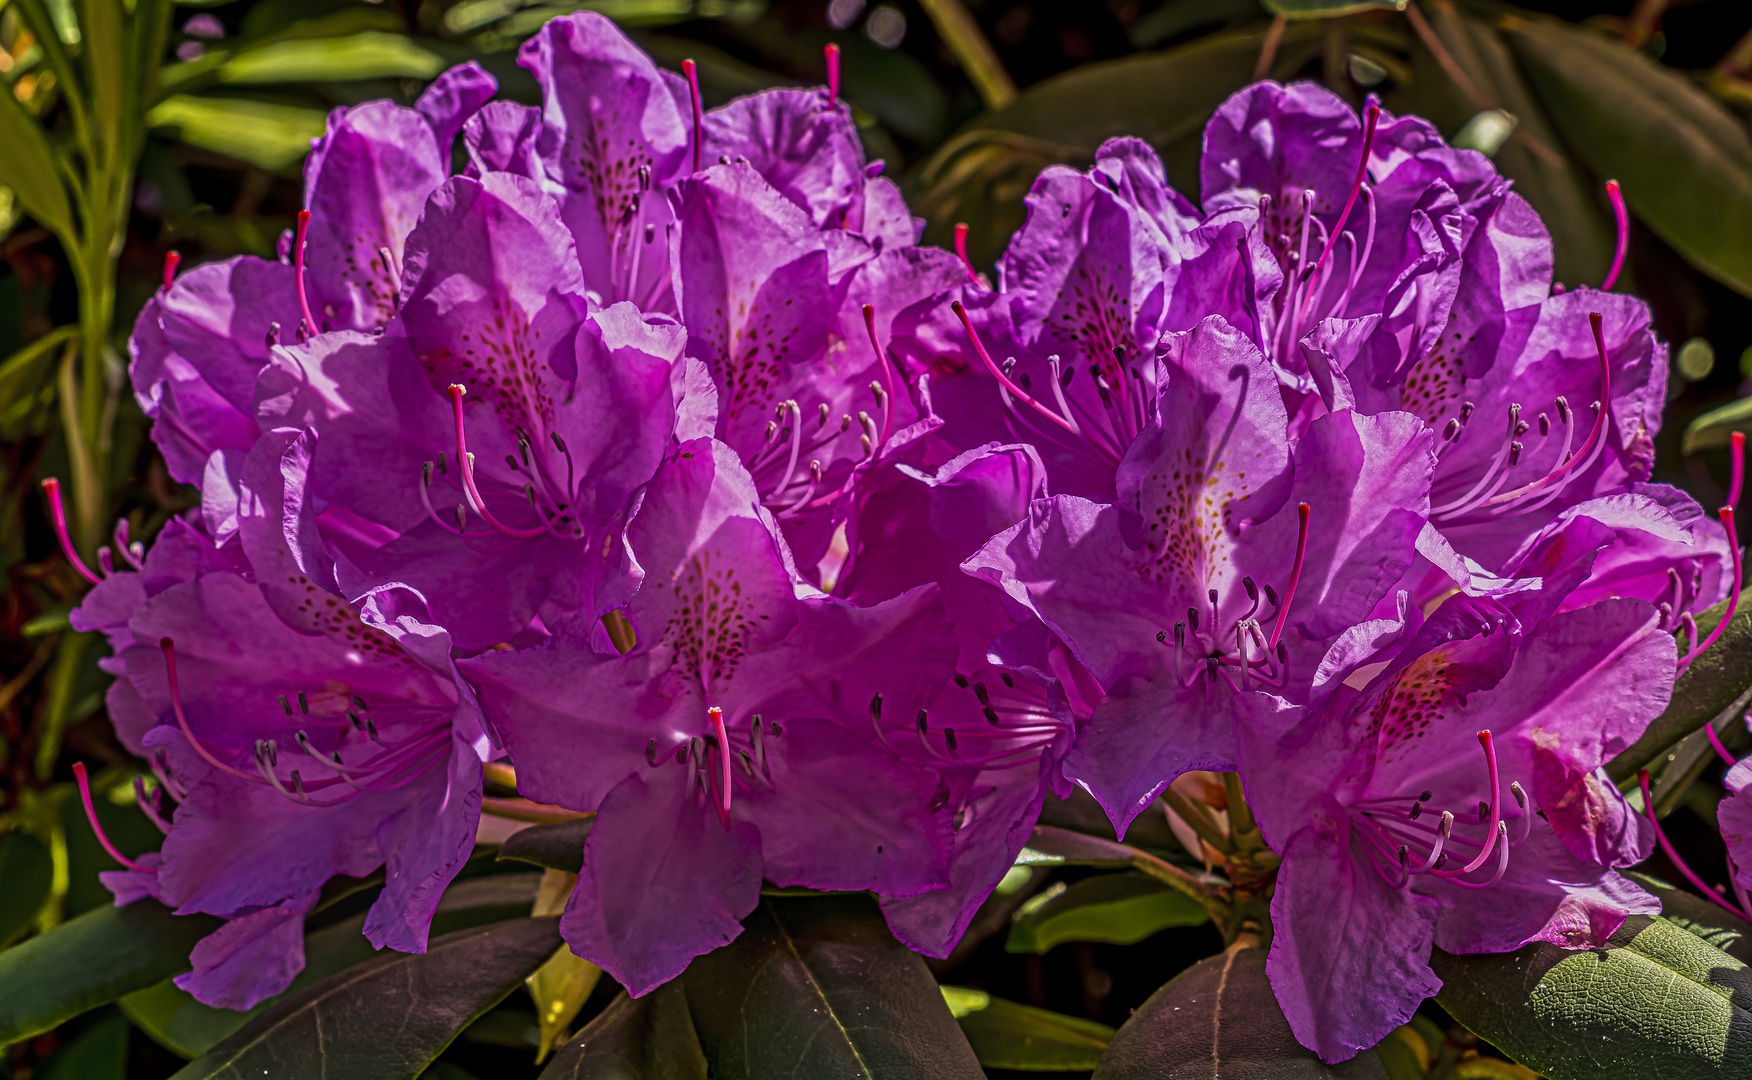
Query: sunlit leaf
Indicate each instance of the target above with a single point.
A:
(1005, 1035)
(28, 167)
(27, 870)
(271, 136)
(1118, 909)
(370, 55)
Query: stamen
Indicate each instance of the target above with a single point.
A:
(830, 53)
(171, 259)
(1520, 795)
(1283, 612)
(716, 715)
(1003, 379)
(1622, 217)
(103, 561)
(182, 721)
(693, 86)
(149, 805)
(1737, 452)
(134, 553)
(465, 462)
(1715, 741)
(1495, 809)
(1372, 115)
(1583, 455)
(888, 386)
(91, 816)
(1642, 779)
(961, 252)
(310, 326)
(58, 514)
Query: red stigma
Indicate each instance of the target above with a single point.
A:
(961, 251)
(1622, 217)
(997, 373)
(691, 71)
(58, 514)
(1302, 512)
(91, 816)
(171, 259)
(830, 53)
(722, 777)
(310, 327)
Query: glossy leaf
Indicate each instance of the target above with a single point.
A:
(1693, 913)
(648, 1038)
(271, 136)
(1713, 429)
(1005, 1035)
(1708, 686)
(818, 987)
(1684, 161)
(559, 987)
(100, 1052)
(1219, 1017)
(388, 1017)
(28, 872)
(370, 55)
(1118, 909)
(90, 961)
(187, 1027)
(559, 846)
(1657, 1001)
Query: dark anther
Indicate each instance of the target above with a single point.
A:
(1416, 810)
(426, 474)
(303, 703)
(559, 443)
(285, 706)
(353, 718)
(1192, 619)
(1270, 595)
(1161, 637)
(1452, 431)
(1563, 410)
(1066, 377)
(1483, 809)
(1514, 453)
(961, 680)
(1544, 424)
(1024, 381)
(991, 716)
(1426, 796)
(651, 753)
(1005, 675)
(273, 334)
(511, 461)
(979, 691)
(1283, 653)
(923, 722)
(1252, 589)
(876, 707)
(949, 738)
(773, 726)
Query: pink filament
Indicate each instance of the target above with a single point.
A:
(961, 251)
(1716, 741)
(692, 73)
(887, 372)
(1595, 433)
(456, 391)
(1642, 778)
(1372, 115)
(1620, 215)
(830, 52)
(1496, 805)
(58, 514)
(1302, 511)
(91, 816)
(182, 721)
(1017, 391)
(171, 259)
(716, 715)
(1736, 466)
(310, 326)
(1737, 472)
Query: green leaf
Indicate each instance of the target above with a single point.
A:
(559, 846)
(100, 1052)
(1713, 429)
(649, 1038)
(1219, 1017)
(1694, 914)
(1684, 161)
(818, 987)
(1322, 9)
(28, 872)
(388, 1017)
(28, 168)
(90, 961)
(271, 136)
(1708, 686)
(1656, 1001)
(178, 1022)
(1118, 909)
(1005, 1035)
(370, 55)
(101, 46)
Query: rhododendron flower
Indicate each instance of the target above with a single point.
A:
(733, 740)
(1391, 845)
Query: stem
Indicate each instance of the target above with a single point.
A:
(1199, 819)
(967, 43)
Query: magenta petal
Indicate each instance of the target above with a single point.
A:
(250, 958)
(452, 99)
(424, 844)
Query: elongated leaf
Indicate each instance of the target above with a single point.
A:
(1119, 909)
(1657, 1001)
(1684, 161)
(28, 872)
(1005, 1035)
(90, 961)
(1321, 9)
(99, 1053)
(370, 55)
(1219, 1018)
(818, 987)
(187, 1027)
(558, 847)
(1713, 429)
(101, 45)
(651, 1038)
(388, 1017)
(28, 168)
(1708, 686)
(271, 136)
(1692, 913)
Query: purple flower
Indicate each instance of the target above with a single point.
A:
(301, 737)
(1206, 578)
(565, 412)
(1390, 844)
(733, 740)
(199, 343)
(1734, 815)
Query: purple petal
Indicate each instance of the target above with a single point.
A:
(452, 100)
(250, 958)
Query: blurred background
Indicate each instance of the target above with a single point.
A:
(183, 127)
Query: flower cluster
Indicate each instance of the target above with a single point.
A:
(652, 453)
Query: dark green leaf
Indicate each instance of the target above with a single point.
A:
(90, 961)
(1119, 909)
(28, 872)
(818, 987)
(1684, 161)
(388, 1017)
(271, 136)
(1693, 913)
(1708, 686)
(27, 383)
(559, 846)
(1005, 1035)
(1322, 9)
(1713, 429)
(185, 1026)
(100, 1052)
(1657, 1002)
(651, 1038)
(1219, 1017)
